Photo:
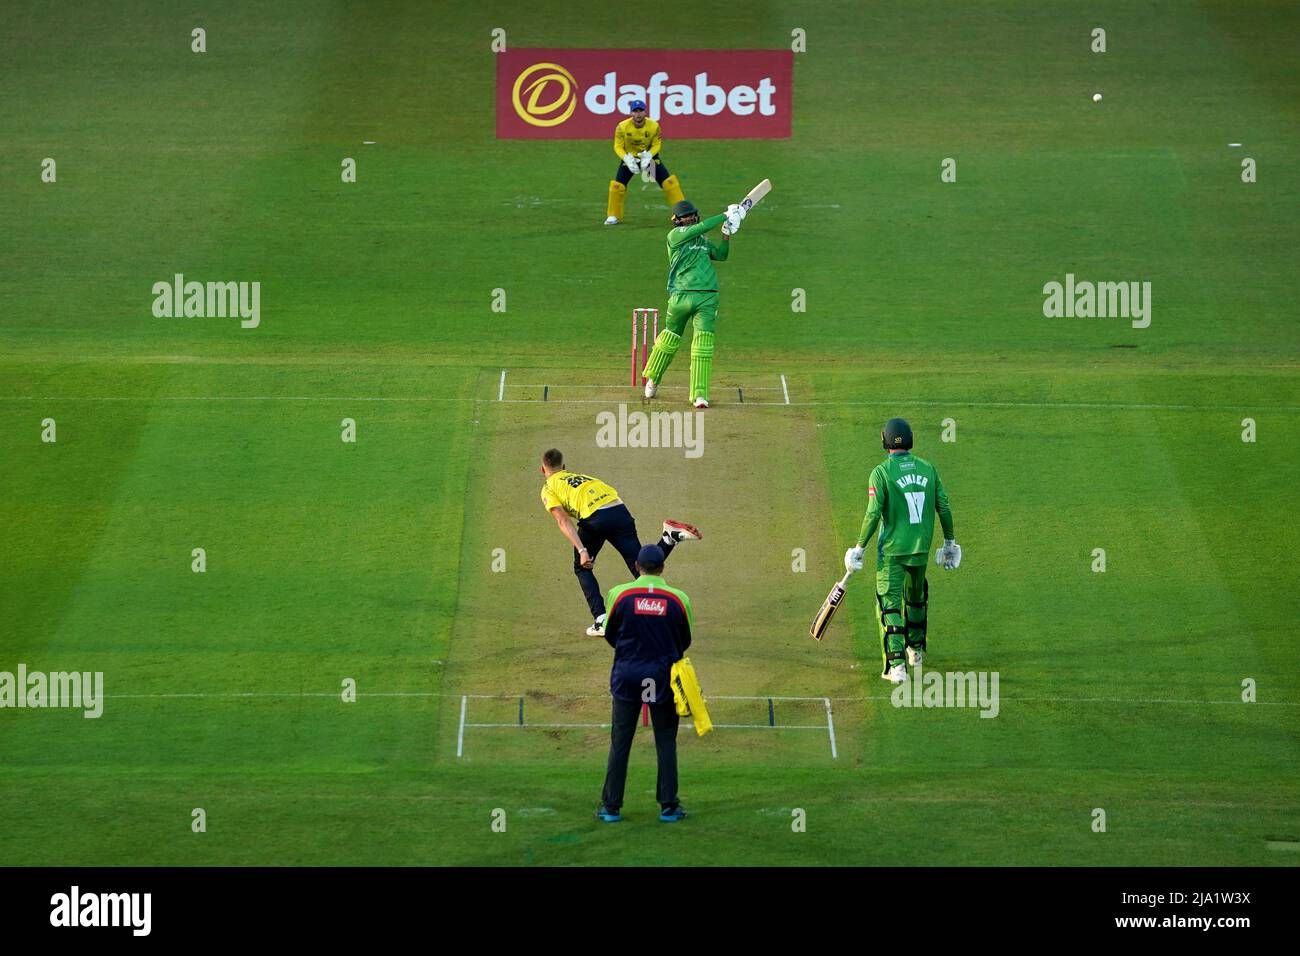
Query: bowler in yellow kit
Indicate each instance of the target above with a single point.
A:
(637, 141)
(589, 513)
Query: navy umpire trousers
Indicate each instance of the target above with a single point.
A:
(664, 719)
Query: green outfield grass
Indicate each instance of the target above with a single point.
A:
(374, 561)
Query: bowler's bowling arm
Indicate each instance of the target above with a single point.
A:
(568, 529)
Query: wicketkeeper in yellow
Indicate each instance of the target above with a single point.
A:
(636, 144)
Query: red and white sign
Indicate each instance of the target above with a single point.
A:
(696, 94)
(650, 605)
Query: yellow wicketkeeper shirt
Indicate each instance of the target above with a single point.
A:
(579, 495)
(629, 139)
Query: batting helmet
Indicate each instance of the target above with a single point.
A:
(683, 209)
(896, 434)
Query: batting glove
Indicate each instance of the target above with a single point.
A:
(853, 559)
(949, 556)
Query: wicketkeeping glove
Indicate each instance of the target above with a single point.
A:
(630, 161)
(949, 556)
(853, 559)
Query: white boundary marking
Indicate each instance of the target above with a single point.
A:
(501, 389)
(785, 391)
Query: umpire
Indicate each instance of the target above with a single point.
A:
(649, 627)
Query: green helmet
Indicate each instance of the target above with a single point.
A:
(684, 208)
(896, 434)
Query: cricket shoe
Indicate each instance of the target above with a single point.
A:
(598, 628)
(896, 674)
(914, 656)
(605, 815)
(701, 402)
(612, 221)
(679, 531)
(651, 387)
(673, 814)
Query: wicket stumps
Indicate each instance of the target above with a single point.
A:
(649, 332)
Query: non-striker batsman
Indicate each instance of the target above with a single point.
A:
(903, 496)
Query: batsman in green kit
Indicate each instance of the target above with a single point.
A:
(905, 494)
(692, 293)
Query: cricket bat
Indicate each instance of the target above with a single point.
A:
(832, 602)
(755, 194)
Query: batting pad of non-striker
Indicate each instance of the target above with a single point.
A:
(662, 355)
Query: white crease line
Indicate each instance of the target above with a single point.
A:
(708, 697)
(785, 390)
(519, 726)
(1114, 700)
(830, 728)
(225, 398)
(1091, 405)
(1099, 406)
(662, 388)
(422, 694)
(501, 389)
(460, 736)
(610, 401)
(276, 694)
(771, 726)
(884, 403)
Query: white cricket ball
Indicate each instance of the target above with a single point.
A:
(1096, 97)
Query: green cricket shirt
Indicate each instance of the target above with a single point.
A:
(691, 256)
(903, 497)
